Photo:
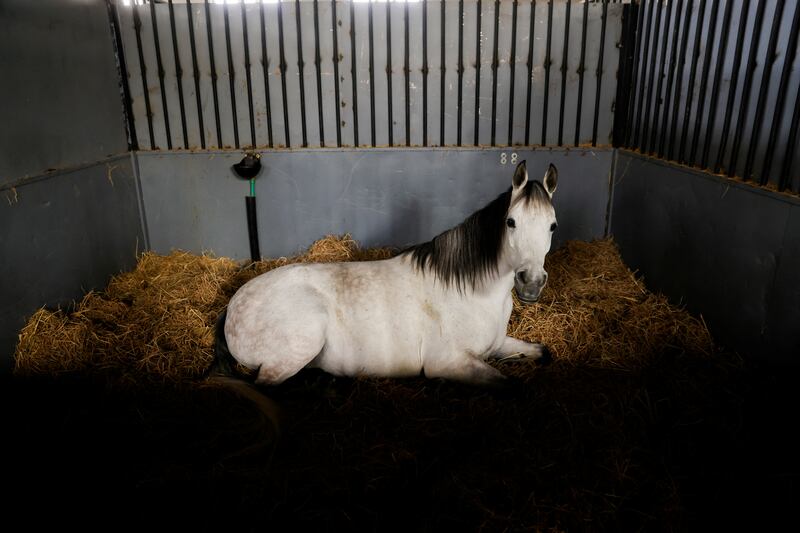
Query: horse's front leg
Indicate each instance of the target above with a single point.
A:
(516, 349)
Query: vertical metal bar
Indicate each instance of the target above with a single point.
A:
(318, 65)
(178, 72)
(231, 76)
(265, 70)
(353, 72)
(460, 68)
(564, 66)
(442, 81)
(661, 74)
(478, 72)
(531, 35)
(637, 63)
(337, 105)
(547, 70)
(407, 72)
(701, 96)
(698, 30)
(646, 65)
(651, 83)
(581, 68)
(213, 73)
(160, 73)
(747, 85)
(791, 143)
(371, 74)
(600, 73)
(737, 63)
(494, 70)
(624, 89)
(389, 71)
(679, 81)
(712, 110)
(248, 76)
(301, 67)
(196, 74)
(788, 62)
(281, 47)
(769, 61)
(122, 72)
(425, 73)
(512, 61)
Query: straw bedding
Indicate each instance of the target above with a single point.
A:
(622, 432)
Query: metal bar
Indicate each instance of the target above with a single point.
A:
(661, 74)
(122, 72)
(645, 64)
(407, 72)
(301, 67)
(679, 81)
(512, 61)
(248, 76)
(460, 67)
(231, 77)
(318, 65)
(783, 86)
(282, 66)
(425, 73)
(737, 63)
(581, 68)
(692, 74)
(791, 143)
(634, 74)
(547, 70)
(178, 72)
(196, 74)
(213, 74)
(599, 73)
(769, 61)
(353, 73)
(651, 83)
(622, 101)
(712, 110)
(701, 103)
(747, 85)
(478, 72)
(564, 66)
(160, 73)
(442, 83)
(336, 59)
(494, 70)
(531, 35)
(389, 71)
(371, 74)
(265, 70)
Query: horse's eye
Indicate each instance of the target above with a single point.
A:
(510, 223)
(553, 226)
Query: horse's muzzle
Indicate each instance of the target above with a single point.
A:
(528, 294)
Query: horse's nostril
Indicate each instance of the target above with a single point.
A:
(521, 276)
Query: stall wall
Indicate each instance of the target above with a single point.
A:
(727, 250)
(68, 204)
(382, 197)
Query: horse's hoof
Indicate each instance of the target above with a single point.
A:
(546, 358)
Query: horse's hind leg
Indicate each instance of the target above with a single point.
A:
(468, 370)
(290, 351)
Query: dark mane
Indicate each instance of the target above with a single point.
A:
(464, 255)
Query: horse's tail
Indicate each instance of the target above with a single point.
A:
(222, 372)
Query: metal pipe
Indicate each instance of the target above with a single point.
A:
(336, 59)
(318, 66)
(479, 15)
(178, 72)
(442, 80)
(231, 77)
(196, 75)
(301, 67)
(661, 74)
(389, 90)
(679, 83)
(371, 74)
(634, 74)
(531, 35)
(494, 70)
(282, 66)
(547, 70)
(113, 16)
(160, 73)
(715, 89)
(213, 73)
(581, 69)
(248, 76)
(651, 82)
(698, 30)
(407, 72)
(425, 73)
(512, 61)
(645, 64)
(265, 71)
(600, 72)
(460, 68)
(564, 66)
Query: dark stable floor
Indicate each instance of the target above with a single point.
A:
(563, 451)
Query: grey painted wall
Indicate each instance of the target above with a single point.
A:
(63, 236)
(724, 249)
(395, 197)
(60, 103)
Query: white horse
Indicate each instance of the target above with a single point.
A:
(440, 308)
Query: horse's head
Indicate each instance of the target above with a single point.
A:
(530, 221)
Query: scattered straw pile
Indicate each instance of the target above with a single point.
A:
(156, 323)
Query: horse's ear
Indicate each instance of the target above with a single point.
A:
(520, 178)
(550, 179)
